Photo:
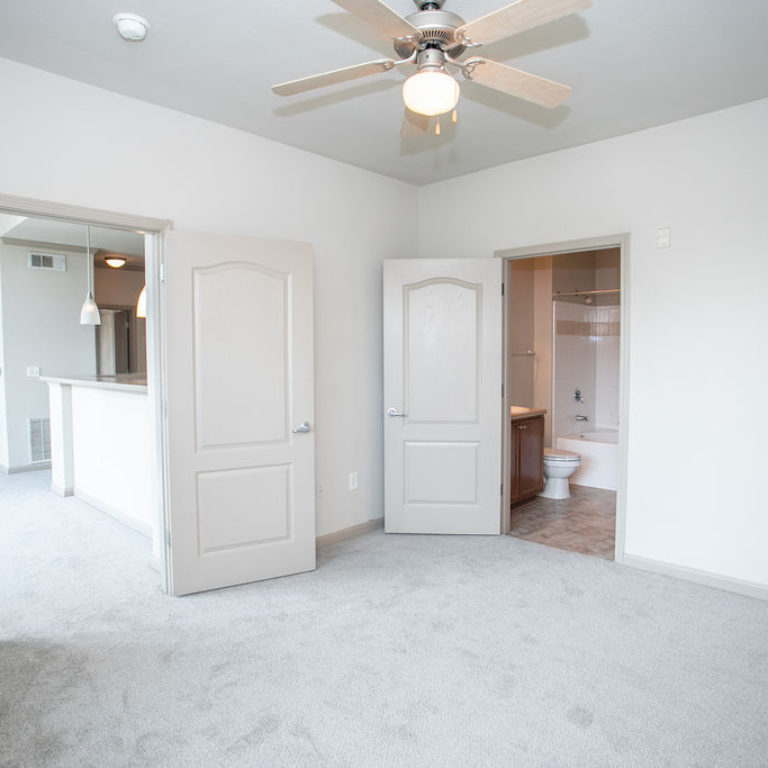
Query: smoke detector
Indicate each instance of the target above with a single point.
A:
(131, 27)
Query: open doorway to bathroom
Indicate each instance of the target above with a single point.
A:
(563, 352)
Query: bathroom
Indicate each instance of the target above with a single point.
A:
(563, 362)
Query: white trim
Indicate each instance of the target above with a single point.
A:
(708, 579)
(121, 517)
(154, 268)
(566, 246)
(32, 467)
(345, 534)
(25, 206)
(153, 229)
(620, 241)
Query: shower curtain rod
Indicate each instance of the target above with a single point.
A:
(585, 293)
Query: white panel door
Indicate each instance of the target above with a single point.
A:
(240, 399)
(442, 395)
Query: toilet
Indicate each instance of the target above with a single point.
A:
(559, 465)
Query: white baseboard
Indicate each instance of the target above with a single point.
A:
(349, 533)
(727, 583)
(116, 513)
(36, 467)
(64, 491)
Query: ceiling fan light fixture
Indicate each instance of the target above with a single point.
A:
(431, 92)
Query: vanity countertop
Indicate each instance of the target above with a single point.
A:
(517, 412)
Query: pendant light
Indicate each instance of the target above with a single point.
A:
(89, 314)
(141, 304)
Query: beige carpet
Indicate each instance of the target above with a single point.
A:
(399, 651)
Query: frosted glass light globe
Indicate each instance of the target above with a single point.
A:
(141, 304)
(430, 92)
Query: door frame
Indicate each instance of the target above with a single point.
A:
(156, 387)
(620, 241)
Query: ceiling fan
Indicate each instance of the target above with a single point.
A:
(432, 39)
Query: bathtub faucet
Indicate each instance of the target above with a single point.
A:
(582, 418)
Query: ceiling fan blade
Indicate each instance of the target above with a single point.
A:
(539, 90)
(517, 17)
(414, 124)
(381, 17)
(334, 76)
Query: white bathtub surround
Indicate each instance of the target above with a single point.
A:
(607, 327)
(102, 435)
(574, 367)
(587, 346)
(599, 451)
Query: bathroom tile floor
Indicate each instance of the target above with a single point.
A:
(584, 523)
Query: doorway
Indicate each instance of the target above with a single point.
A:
(565, 348)
(85, 382)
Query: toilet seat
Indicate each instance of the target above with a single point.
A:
(561, 455)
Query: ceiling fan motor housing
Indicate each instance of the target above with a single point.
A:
(437, 28)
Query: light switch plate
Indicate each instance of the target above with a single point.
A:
(663, 237)
(33, 371)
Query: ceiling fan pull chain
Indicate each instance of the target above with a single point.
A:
(454, 117)
(437, 127)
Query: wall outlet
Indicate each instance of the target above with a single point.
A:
(320, 490)
(33, 371)
(353, 481)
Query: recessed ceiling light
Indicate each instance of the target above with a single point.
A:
(115, 262)
(131, 27)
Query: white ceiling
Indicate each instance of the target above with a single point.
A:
(632, 64)
(55, 232)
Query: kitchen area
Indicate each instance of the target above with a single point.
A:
(73, 364)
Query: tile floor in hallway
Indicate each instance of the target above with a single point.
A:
(584, 523)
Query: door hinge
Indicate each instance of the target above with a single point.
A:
(165, 409)
(501, 489)
(502, 289)
(168, 539)
(502, 390)
(162, 271)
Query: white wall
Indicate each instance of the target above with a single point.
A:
(542, 341)
(3, 415)
(697, 312)
(40, 327)
(112, 466)
(529, 307)
(116, 153)
(520, 332)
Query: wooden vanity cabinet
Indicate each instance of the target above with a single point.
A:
(527, 465)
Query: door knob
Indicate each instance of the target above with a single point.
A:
(305, 426)
(394, 412)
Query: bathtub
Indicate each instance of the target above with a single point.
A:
(599, 451)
